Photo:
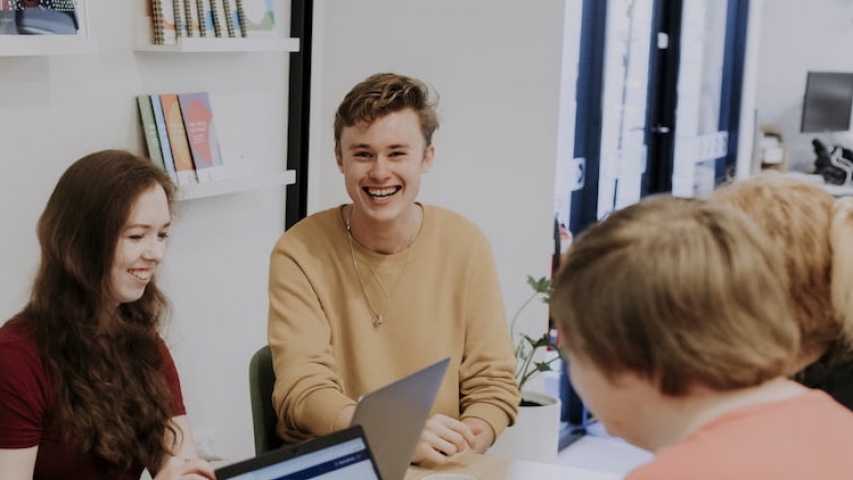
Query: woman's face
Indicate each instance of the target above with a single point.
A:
(141, 245)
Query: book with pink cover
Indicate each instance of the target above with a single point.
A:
(178, 139)
(201, 133)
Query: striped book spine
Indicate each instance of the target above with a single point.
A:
(202, 18)
(229, 18)
(157, 35)
(215, 7)
(241, 18)
(188, 18)
(178, 8)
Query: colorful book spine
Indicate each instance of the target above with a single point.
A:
(229, 17)
(201, 133)
(178, 139)
(149, 129)
(205, 25)
(217, 16)
(163, 136)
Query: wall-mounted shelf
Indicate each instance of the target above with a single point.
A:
(42, 45)
(236, 185)
(212, 44)
(203, 45)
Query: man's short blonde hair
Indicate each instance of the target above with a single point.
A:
(798, 218)
(680, 292)
(381, 94)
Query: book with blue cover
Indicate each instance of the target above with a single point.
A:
(163, 137)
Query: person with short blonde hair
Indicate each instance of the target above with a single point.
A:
(365, 293)
(679, 336)
(813, 232)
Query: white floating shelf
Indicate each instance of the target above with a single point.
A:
(43, 45)
(236, 185)
(202, 45)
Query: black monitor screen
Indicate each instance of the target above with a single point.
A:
(826, 108)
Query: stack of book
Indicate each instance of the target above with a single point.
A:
(172, 20)
(38, 17)
(180, 136)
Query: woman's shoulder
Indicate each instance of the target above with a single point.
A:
(19, 354)
(16, 335)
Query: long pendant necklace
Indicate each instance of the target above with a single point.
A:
(378, 318)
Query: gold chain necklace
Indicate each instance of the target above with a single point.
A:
(378, 318)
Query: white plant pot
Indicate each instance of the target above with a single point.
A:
(536, 433)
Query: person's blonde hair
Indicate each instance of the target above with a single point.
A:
(813, 233)
(381, 94)
(680, 292)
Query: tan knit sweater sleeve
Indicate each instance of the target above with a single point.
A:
(487, 384)
(308, 395)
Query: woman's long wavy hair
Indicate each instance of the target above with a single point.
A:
(112, 399)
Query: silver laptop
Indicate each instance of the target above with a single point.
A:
(394, 416)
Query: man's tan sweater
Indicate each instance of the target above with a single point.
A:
(438, 298)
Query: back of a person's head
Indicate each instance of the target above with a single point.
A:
(798, 218)
(382, 94)
(680, 292)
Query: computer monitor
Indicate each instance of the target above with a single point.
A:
(828, 101)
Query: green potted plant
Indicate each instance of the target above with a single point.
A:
(535, 435)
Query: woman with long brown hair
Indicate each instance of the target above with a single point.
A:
(88, 388)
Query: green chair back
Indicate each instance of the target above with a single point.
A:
(261, 383)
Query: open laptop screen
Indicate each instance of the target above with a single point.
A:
(338, 457)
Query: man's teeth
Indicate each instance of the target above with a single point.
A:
(382, 192)
(141, 275)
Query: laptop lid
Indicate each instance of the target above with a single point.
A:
(343, 455)
(394, 416)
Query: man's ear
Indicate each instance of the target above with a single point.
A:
(429, 154)
(339, 159)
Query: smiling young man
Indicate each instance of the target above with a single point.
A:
(366, 293)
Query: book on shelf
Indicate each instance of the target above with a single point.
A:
(190, 18)
(164, 28)
(163, 136)
(39, 17)
(178, 14)
(178, 139)
(201, 134)
(149, 130)
(217, 17)
(259, 18)
(205, 22)
(229, 8)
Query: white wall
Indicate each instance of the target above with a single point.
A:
(496, 65)
(796, 37)
(53, 110)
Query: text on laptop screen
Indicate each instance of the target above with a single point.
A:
(344, 461)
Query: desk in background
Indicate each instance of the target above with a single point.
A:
(487, 467)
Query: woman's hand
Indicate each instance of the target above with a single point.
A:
(442, 438)
(186, 469)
